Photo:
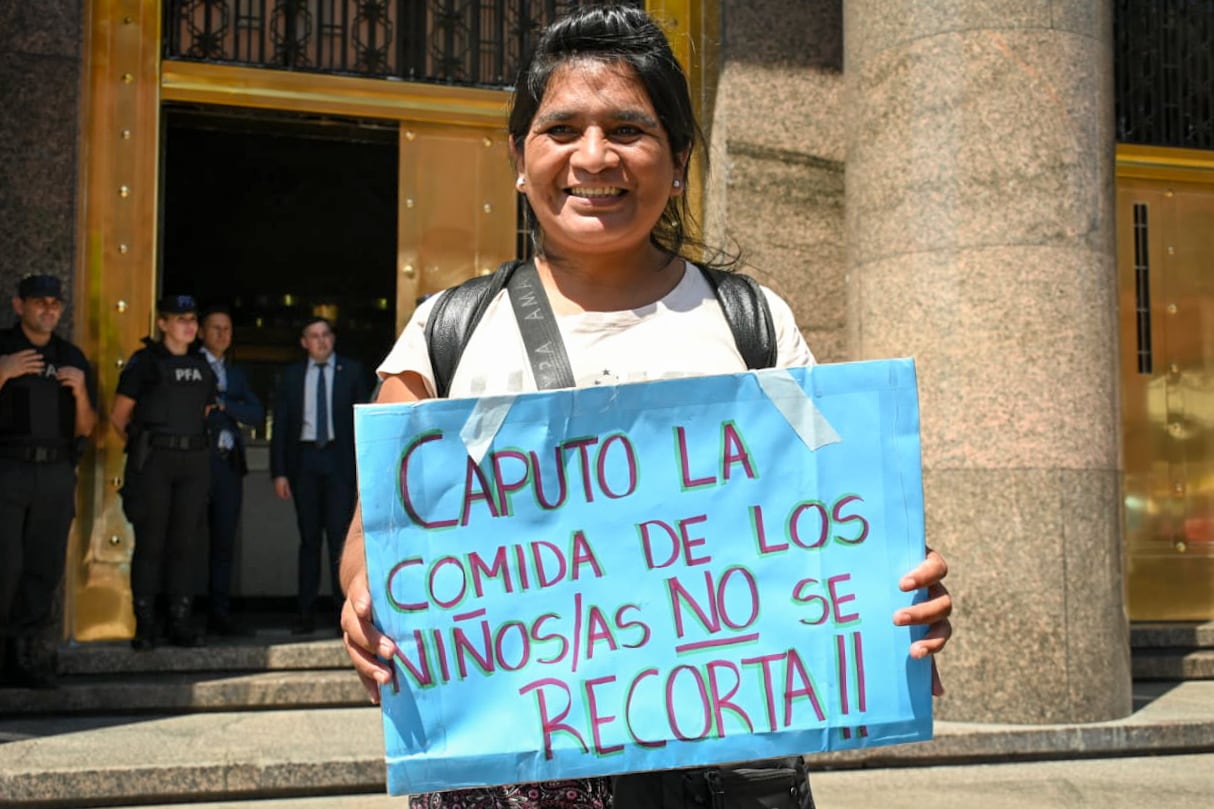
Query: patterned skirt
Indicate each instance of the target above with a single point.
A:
(585, 793)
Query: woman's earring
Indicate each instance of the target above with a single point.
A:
(519, 183)
(678, 183)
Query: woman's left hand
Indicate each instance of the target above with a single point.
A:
(933, 612)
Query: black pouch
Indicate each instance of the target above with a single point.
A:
(132, 502)
(775, 784)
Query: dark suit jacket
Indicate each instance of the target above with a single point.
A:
(240, 406)
(351, 386)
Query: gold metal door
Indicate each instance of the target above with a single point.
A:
(456, 218)
(456, 208)
(1166, 288)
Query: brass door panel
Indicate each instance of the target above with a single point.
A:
(457, 209)
(114, 289)
(1166, 289)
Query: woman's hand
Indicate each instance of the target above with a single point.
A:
(932, 612)
(367, 647)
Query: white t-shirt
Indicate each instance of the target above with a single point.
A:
(683, 334)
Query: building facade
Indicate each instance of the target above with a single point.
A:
(1019, 195)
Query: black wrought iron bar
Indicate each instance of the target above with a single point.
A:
(469, 42)
(1164, 66)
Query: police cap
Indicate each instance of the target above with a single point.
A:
(176, 304)
(40, 286)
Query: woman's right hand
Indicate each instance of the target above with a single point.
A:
(367, 647)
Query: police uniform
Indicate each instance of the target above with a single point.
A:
(167, 479)
(37, 495)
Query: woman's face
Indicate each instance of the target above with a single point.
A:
(179, 330)
(596, 163)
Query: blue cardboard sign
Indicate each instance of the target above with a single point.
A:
(667, 574)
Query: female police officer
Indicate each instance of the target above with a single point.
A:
(160, 409)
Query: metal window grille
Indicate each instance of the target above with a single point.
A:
(1142, 288)
(460, 42)
(1164, 72)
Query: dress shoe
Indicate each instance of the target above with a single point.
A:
(304, 625)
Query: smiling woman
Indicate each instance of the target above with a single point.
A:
(597, 169)
(601, 132)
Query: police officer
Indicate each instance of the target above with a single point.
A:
(160, 408)
(47, 408)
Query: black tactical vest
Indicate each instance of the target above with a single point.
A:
(35, 409)
(182, 386)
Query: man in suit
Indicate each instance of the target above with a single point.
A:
(312, 455)
(237, 406)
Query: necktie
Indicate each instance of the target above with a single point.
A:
(322, 407)
(226, 441)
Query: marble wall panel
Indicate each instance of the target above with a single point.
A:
(1088, 18)
(38, 132)
(784, 32)
(44, 28)
(1013, 369)
(982, 138)
(781, 107)
(40, 96)
(1099, 640)
(980, 235)
(786, 215)
(776, 185)
(877, 25)
(1032, 591)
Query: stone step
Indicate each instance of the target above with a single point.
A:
(261, 652)
(1174, 782)
(1175, 635)
(261, 672)
(1173, 651)
(182, 692)
(289, 754)
(98, 761)
(1173, 664)
(368, 801)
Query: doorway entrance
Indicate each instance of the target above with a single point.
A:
(280, 218)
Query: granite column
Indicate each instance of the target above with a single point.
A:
(979, 215)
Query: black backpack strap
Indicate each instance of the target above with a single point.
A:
(749, 316)
(537, 325)
(458, 311)
(453, 319)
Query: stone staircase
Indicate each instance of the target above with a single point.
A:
(1173, 651)
(265, 673)
(268, 716)
(280, 722)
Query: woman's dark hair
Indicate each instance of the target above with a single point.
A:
(612, 33)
